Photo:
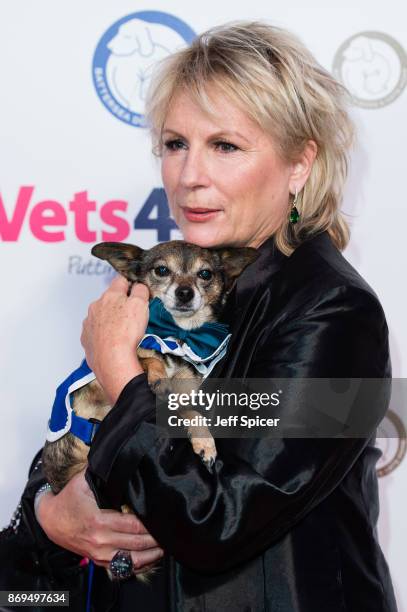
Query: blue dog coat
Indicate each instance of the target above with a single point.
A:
(202, 347)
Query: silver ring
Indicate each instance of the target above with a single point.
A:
(121, 566)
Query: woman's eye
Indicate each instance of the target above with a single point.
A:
(174, 144)
(226, 147)
(205, 274)
(162, 271)
(177, 144)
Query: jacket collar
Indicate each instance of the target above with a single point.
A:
(240, 310)
(239, 304)
(269, 262)
(259, 273)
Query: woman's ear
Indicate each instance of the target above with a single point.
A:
(302, 166)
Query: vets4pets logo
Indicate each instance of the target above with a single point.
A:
(88, 220)
(125, 57)
(373, 67)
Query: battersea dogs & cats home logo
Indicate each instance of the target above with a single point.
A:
(125, 57)
(373, 67)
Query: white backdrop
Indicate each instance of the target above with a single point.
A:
(58, 138)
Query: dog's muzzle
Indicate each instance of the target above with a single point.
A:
(184, 294)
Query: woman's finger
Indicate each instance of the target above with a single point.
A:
(141, 558)
(119, 284)
(140, 291)
(121, 522)
(126, 541)
(105, 553)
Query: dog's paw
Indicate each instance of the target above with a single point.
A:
(208, 463)
(161, 388)
(146, 574)
(206, 449)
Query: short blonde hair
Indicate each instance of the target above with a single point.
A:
(269, 73)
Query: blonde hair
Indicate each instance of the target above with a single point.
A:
(269, 73)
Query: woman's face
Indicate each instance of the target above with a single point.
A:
(225, 183)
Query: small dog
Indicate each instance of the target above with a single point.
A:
(192, 283)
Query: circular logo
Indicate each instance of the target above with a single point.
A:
(125, 57)
(373, 67)
(391, 439)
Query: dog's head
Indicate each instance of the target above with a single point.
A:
(191, 281)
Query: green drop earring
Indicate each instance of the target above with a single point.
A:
(294, 214)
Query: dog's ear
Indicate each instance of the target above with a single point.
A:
(234, 261)
(125, 258)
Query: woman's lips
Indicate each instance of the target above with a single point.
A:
(199, 215)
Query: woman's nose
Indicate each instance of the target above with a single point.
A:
(195, 171)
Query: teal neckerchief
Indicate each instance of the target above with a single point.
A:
(202, 340)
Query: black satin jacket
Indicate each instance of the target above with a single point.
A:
(282, 525)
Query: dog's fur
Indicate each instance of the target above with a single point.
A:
(173, 272)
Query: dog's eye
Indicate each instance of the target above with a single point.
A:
(162, 271)
(205, 274)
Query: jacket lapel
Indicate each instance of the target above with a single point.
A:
(240, 312)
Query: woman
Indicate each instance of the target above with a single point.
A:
(253, 136)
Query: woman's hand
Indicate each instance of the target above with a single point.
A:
(111, 332)
(73, 520)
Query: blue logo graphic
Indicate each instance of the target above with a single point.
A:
(125, 56)
(155, 215)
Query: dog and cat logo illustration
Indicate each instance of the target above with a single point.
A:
(125, 57)
(373, 67)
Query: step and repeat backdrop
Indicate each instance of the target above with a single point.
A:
(76, 168)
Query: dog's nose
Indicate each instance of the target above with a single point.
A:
(184, 294)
